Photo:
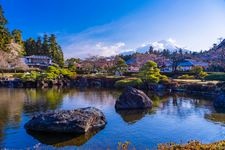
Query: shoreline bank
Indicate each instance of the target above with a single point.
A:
(105, 82)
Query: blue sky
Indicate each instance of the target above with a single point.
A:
(107, 27)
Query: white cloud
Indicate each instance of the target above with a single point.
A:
(133, 29)
(90, 48)
(92, 42)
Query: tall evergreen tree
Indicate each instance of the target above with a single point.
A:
(17, 36)
(53, 46)
(3, 20)
(39, 46)
(60, 57)
(56, 51)
(151, 50)
(45, 46)
(30, 47)
(5, 37)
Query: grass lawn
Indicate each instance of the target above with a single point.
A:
(100, 75)
(8, 75)
(195, 81)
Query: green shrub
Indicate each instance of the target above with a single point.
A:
(186, 76)
(134, 82)
(153, 79)
(150, 73)
(18, 75)
(164, 81)
(53, 69)
(32, 76)
(67, 73)
(52, 73)
(216, 76)
(48, 76)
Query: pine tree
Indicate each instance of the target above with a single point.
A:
(39, 46)
(56, 51)
(30, 47)
(60, 57)
(151, 50)
(53, 47)
(3, 20)
(45, 46)
(17, 36)
(49, 47)
(5, 37)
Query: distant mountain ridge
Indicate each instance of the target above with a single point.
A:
(221, 45)
(159, 46)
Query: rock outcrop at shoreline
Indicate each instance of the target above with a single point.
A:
(133, 98)
(76, 121)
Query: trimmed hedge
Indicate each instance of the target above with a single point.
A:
(177, 74)
(216, 76)
(134, 82)
(186, 76)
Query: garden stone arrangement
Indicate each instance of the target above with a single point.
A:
(133, 98)
(76, 121)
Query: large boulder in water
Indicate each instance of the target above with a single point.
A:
(133, 98)
(219, 102)
(77, 121)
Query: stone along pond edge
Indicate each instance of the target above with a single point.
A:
(82, 120)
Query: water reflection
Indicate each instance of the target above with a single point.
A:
(134, 115)
(182, 106)
(100, 98)
(61, 140)
(43, 99)
(216, 117)
(183, 115)
(11, 107)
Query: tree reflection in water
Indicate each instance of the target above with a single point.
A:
(11, 107)
(18, 105)
(14, 102)
(61, 140)
(179, 104)
(38, 100)
(184, 105)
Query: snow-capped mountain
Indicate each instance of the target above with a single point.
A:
(169, 44)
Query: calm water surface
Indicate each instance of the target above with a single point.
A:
(177, 118)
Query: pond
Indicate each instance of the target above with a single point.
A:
(175, 118)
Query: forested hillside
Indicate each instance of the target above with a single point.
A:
(13, 48)
(47, 46)
(215, 57)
